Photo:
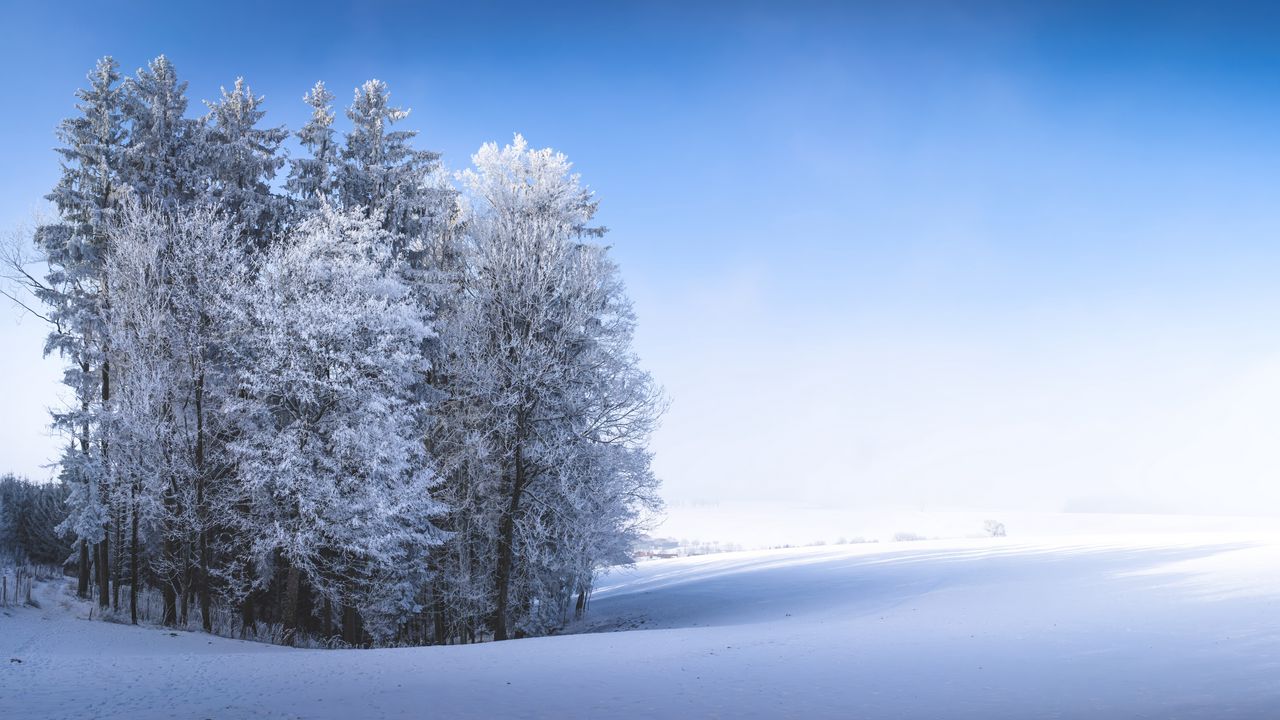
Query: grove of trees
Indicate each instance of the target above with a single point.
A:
(345, 392)
(29, 517)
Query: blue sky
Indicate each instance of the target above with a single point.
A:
(950, 253)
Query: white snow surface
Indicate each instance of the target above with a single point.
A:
(1118, 626)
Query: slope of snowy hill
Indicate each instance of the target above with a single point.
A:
(1180, 626)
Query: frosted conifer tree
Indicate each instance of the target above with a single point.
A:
(75, 249)
(240, 159)
(312, 179)
(383, 174)
(161, 156)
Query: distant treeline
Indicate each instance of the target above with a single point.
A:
(29, 517)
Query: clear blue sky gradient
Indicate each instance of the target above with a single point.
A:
(965, 205)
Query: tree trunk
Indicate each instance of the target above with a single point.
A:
(104, 547)
(206, 602)
(169, 582)
(247, 623)
(206, 621)
(351, 631)
(506, 532)
(104, 569)
(506, 550)
(133, 559)
(170, 592)
(184, 597)
(290, 609)
(82, 586)
(117, 566)
(441, 631)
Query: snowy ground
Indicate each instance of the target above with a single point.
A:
(1137, 626)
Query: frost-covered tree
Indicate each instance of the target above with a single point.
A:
(313, 177)
(161, 157)
(240, 159)
(406, 405)
(130, 137)
(337, 485)
(75, 249)
(177, 284)
(382, 174)
(87, 191)
(29, 516)
(549, 410)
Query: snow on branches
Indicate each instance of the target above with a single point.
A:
(372, 404)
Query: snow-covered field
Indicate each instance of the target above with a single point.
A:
(1118, 626)
(753, 525)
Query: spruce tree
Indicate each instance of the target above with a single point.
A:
(161, 160)
(384, 175)
(76, 248)
(239, 160)
(313, 179)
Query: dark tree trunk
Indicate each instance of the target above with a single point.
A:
(352, 633)
(206, 621)
(506, 532)
(169, 582)
(184, 584)
(82, 585)
(247, 622)
(290, 609)
(441, 631)
(506, 550)
(104, 547)
(170, 592)
(82, 588)
(117, 566)
(104, 569)
(206, 602)
(133, 559)
(327, 625)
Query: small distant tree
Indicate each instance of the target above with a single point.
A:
(993, 528)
